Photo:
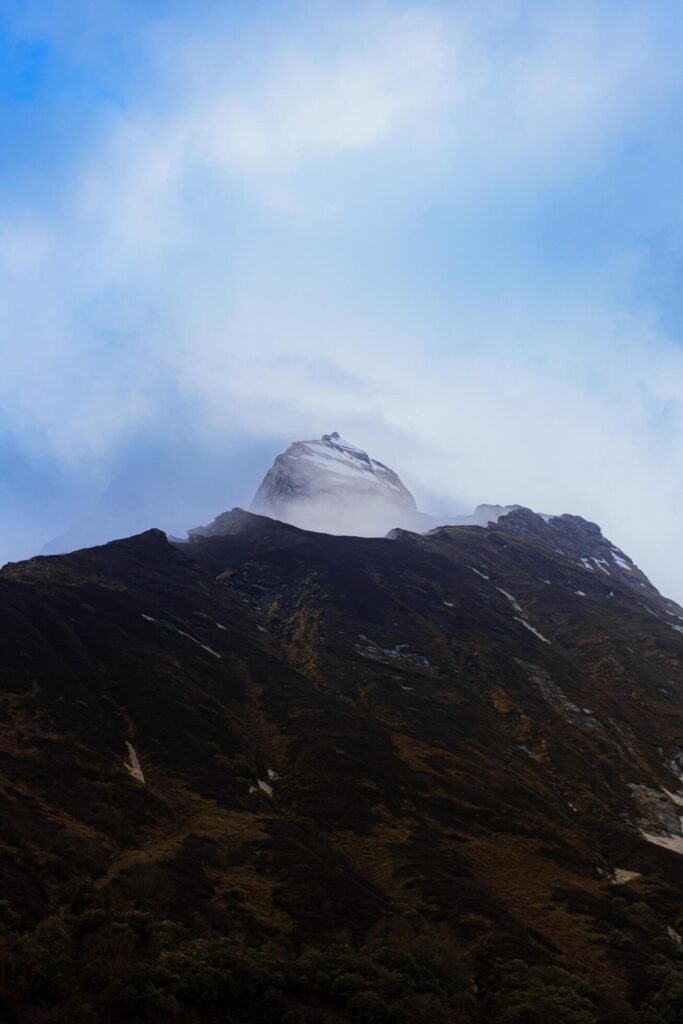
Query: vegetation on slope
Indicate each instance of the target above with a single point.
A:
(369, 791)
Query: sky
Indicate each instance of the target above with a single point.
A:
(451, 231)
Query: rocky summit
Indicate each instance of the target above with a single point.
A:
(274, 775)
(331, 485)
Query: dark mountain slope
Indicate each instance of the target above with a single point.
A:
(407, 759)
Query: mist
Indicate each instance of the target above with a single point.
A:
(451, 233)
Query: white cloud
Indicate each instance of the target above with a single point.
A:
(394, 76)
(165, 265)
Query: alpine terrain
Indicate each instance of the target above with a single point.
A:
(269, 774)
(333, 486)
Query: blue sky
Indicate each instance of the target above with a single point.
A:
(451, 231)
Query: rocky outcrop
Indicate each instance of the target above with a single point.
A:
(583, 542)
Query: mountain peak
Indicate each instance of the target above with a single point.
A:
(331, 485)
(339, 442)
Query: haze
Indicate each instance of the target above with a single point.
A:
(450, 231)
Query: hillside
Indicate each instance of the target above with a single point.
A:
(271, 775)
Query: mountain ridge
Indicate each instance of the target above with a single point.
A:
(332, 486)
(446, 744)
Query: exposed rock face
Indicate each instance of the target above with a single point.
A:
(584, 543)
(659, 813)
(332, 486)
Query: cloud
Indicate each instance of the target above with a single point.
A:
(376, 218)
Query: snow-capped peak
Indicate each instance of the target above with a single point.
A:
(330, 484)
(333, 455)
(339, 442)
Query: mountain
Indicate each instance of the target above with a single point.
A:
(329, 485)
(274, 775)
(581, 541)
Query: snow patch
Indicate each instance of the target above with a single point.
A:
(620, 876)
(515, 604)
(132, 765)
(187, 635)
(341, 466)
(532, 630)
(194, 640)
(263, 787)
(483, 575)
(619, 559)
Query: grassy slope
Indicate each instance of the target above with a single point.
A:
(425, 788)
